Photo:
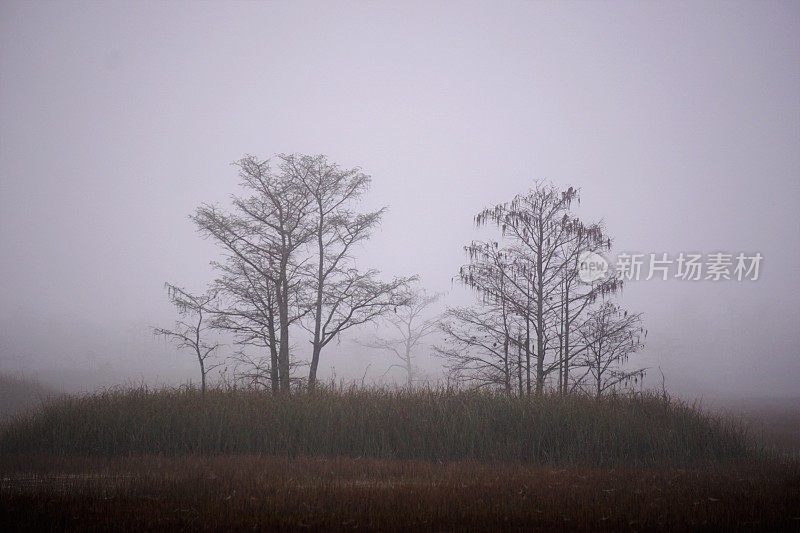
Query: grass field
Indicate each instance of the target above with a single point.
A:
(141, 459)
(428, 424)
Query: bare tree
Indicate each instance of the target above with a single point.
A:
(410, 328)
(535, 224)
(289, 253)
(491, 273)
(529, 279)
(356, 298)
(343, 296)
(577, 297)
(249, 310)
(251, 371)
(267, 231)
(475, 347)
(191, 329)
(611, 335)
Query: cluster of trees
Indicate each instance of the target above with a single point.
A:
(287, 260)
(287, 265)
(538, 323)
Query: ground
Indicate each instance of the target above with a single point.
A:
(247, 492)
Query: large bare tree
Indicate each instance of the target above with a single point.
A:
(528, 280)
(267, 231)
(343, 296)
(535, 224)
(289, 252)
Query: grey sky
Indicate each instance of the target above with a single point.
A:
(679, 121)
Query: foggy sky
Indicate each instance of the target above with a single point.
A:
(680, 122)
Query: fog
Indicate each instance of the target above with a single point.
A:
(679, 122)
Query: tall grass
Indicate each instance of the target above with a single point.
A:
(428, 424)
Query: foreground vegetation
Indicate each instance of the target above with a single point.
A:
(426, 424)
(385, 459)
(248, 492)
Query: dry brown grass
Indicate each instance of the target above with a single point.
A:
(384, 459)
(246, 492)
(428, 424)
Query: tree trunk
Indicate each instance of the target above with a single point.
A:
(317, 341)
(599, 382)
(506, 369)
(561, 350)
(197, 350)
(409, 368)
(566, 353)
(540, 313)
(528, 350)
(274, 377)
(312, 371)
(566, 344)
(539, 342)
(283, 358)
(202, 375)
(519, 366)
(283, 316)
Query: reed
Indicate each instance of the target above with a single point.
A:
(388, 423)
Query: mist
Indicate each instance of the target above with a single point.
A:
(680, 124)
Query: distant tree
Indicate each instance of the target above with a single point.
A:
(193, 327)
(409, 327)
(611, 336)
(475, 347)
(343, 296)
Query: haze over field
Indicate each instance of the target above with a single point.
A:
(680, 123)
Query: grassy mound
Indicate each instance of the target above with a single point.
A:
(431, 424)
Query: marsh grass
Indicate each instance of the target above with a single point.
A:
(426, 424)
